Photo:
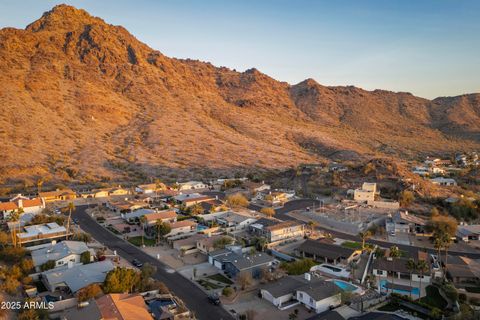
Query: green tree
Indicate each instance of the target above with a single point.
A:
(227, 291)
(163, 228)
(82, 236)
(365, 235)
(222, 242)
(10, 285)
(394, 254)
(85, 257)
(142, 225)
(26, 265)
(196, 209)
(121, 280)
(244, 279)
(50, 264)
(147, 271)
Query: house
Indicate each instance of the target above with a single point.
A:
(62, 253)
(441, 181)
(379, 316)
(192, 185)
(120, 306)
(41, 233)
(168, 216)
(403, 222)
(213, 205)
(207, 244)
(322, 251)
(319, 295)
(29, 206)
(181, 228)
(58, 195)
(277, 198)
(281, 292)
(467, 233)
(232, 221)
(76, 277)
(232, 261)
(125, 205)
(255, 187)
(421, 171)
(150, 188)
(405, 281)
(277, 231)
(136, 214)
(463, 272)
(366, 193)
(191, 199)
(188, 245)
(118, 191)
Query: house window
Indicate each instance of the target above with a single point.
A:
(311, 301)
(300, 295)
(60, 263)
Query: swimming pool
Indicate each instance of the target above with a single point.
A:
(345, 286)
(201, 227)
(383, 288)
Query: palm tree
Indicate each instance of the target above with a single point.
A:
(158, 225)
(438, 245)
(365, 235)
(142, 223)
(411, 266)
(422, 267)
(14, 217)
(394, 253)
(70, 207)
(447, 241)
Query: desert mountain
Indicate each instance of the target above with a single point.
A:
(82, 99)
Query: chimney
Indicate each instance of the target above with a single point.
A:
(20, 203)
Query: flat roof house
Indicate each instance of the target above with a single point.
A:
(441, 181)
(77, 277)
(404, 222)
(191, 199)
(62, 253)
(276, 231)
(326, 252)
(232, 221)
(192, 185)
(468, 233)
(41, 233)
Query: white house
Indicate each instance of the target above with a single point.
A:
(181, 228)
(234, 222)
(29, 206)
(441, 181)
(61, 253)
(281, 292)
(192, 185)
(319, 295)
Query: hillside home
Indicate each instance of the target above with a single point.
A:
(463, 272)
(276, 231)
(76, 277)
(62, 253)
(403, 222)
(366, 193)
(441, 181)
(406, 281)
(192, 185)
(58, 195)
(29, 206)
(192, 199)
(276, 198)
(166, 216)
(41, 233)
(254, 187)
(467, 233)
(322, 251)
(150, 188)
(125, 205)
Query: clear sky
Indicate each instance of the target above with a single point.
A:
(428, 47)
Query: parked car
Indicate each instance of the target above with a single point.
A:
(137, 263)
(214, 299)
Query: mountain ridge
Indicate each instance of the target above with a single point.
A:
(85, 100)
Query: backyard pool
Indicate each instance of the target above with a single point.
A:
(345, 286)
(399, 289)
(201, 227)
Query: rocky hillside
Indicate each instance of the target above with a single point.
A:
(81, 99)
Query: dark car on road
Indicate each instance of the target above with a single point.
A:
(214, 299)
(137, 263)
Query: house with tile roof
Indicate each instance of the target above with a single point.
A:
(123, 306)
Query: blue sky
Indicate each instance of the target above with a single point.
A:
(428, 47)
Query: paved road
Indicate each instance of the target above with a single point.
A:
(193, 296)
